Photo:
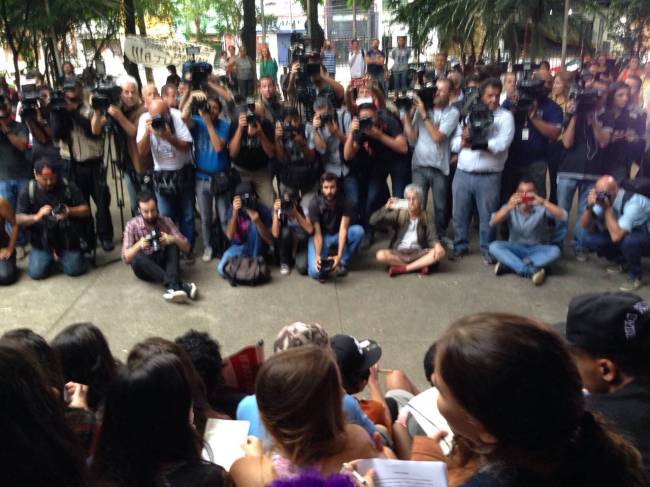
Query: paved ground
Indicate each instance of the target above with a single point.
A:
(405, 314)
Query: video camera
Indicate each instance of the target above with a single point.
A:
(479, 119)
(528, 91)
(309, 69)
(586, 101)
(427, 94)
(30, 102)
(105, 93)
(200, 73)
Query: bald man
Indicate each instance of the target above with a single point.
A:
(619, 226)
(163, 133)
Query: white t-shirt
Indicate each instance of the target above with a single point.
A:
(410, 239)
(166, 157)
(357, 64)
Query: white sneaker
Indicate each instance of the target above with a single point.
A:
(175, 296)
(190, 289)
(284, 269)
(207, 254)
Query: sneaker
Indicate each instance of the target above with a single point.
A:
(342, 271)
(190, 289)
(615, 269)
(207, 254)
(107, 245)
(499, 269)
(632, 284)
(284, 269)
(175, 296)
(581, 255)
(487, 258)
(539, 277)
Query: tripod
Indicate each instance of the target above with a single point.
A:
(112, 158)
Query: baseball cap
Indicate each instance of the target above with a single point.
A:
(245, 187)
(299, 334)
(354, 356)
(608, 322)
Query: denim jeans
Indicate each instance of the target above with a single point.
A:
(400, 80)
(350, 186)
(180, 208)
(627, 252)
(566, 188)
(524, 259)
(353, 240)
(9, 190)
(8, 270)
(133, 187)
(291, 237)
(72, 262)
(468, 190)
(252, 247)
(432, 178)
(206, 201)
(90, 177)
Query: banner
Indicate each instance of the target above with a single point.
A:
(152, 53)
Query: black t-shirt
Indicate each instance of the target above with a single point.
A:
(69, 195)
(584, 157)
(198, 475)
(13, 164)
(628, 409)
(251, 154)
(329, 218)
(376, 70)
(620, 153)
(372, 152)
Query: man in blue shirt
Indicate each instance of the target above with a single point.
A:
(525, 252)
(210, 134)
(620, 229)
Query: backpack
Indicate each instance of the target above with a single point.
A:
(247, 271)
(635, 186)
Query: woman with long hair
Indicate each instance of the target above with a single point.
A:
(509, 387)
(148, 437)
(617, 158)
(559, 94)
(300, 400)
(268, 65)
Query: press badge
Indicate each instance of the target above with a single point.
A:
(524, 134)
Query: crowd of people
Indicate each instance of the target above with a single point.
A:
(513, 402)
(310, 177)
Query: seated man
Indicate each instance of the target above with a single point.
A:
(151, 245)
(290, 229)
(55, 211)
(248, 225)
(525, 253)
(610, 338)
(619, 224)
(414, 246)
(8, 271)
(329, 213)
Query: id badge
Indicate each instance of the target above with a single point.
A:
(524, 134)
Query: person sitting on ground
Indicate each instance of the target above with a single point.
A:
(619, 222)
(291, 230)
(329, 213)
(300, 400)
(151, 246)
(148, 436)
(248, 226)
(294, 335)
(8, 270)
(54, 210)
(609, 335)
(525, 253)
(414, 245)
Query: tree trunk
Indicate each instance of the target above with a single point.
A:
(315, 30)
(248, 29)
(354, 19)
(143, 32)
(129, 28)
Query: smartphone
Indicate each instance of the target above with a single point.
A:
(401, 204)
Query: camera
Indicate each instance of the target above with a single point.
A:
(366, 124)
(527, 200)
(200, 72)
(247, 200)
(586, 101)
(251, 118)
(326, 118)
(528, 90)
(57, 102)
(158, 123)
(479, 119)
(153, 237)
(288, 131)
(200, 106)
(427, 94)
(105, 93)
(326, 265)
(404, 102)
(30, 101)
(603, 197)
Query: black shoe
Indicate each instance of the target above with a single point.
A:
(342, 271)
(487, 258)
(190, 289)
(457, 254)
(107, 245)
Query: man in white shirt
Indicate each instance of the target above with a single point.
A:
(357, 63)
(162, 132)
(478, 175)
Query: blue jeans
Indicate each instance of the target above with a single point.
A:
(9, 190)
(352, 242)
(179, 208)
(400, 80)
(432, 178)
(350, 185)
(524, 259)
(566, 188)
(206, 202)
(72, 262)
(627, 252)
(469, 189)
(8, 270)
(252, 247)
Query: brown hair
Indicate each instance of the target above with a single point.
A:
(517, 378)
(300, 399)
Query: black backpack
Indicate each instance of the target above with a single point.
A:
(635, 186)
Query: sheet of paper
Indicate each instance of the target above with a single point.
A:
(424, 408)
(404, 473)
(225, 439)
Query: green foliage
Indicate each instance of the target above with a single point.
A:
(630, 33)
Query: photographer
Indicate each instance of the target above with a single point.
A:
(291, 229)
(37, 121)
(82, 153)
(8, 270)
(376, 147)
(248, 226)
(55, 211)
(251, 150)
(151, 246)
(210, 134)
(269, 106)
(330, 214)
(430, 131)
(619, 225)
(538, 123)
(297, 168)
(477, 180)
(317, 83)
(162, 132)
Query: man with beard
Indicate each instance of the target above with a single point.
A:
(151, 245)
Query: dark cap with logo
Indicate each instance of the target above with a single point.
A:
(354, 357)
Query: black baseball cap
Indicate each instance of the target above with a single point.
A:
(608, 323)
(245, 187)
(353, 356)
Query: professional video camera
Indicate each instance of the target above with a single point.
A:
(309, 68)
(105, 93)
(30, 102)
(528, 91)
(586, 101)
(200, 72)
(427, 94)
(478, 120)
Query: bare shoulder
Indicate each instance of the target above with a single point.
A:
(248, 472)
